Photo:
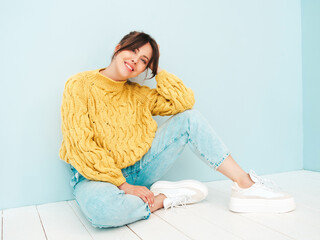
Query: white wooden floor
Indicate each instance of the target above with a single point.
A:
(209, 219)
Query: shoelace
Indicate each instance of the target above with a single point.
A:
(178, 202)
(268, 183)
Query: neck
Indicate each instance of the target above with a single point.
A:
(110, 73)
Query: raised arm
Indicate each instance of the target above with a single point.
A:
(170, 96)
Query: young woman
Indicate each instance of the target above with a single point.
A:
(117, 152)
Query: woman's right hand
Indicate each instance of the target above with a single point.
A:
(141, 191)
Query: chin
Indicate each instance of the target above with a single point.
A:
(131, 75)
(124, 73)
(135, 75)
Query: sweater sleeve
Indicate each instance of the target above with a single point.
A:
(81, 151)
(170, 96)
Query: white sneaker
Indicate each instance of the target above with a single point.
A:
(263, 196)
(180, 193)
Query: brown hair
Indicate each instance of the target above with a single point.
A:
(134, 40)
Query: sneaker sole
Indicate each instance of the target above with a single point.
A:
(200, 189)
(262, 205)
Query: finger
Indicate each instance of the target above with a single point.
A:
(147, 196)
(151, 197)
(151, 200)
(149, 192)
(143, 197)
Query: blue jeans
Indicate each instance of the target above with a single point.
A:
(105, 205)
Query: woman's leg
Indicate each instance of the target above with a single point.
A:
(233, 171)
(105, 205)
(187, 128)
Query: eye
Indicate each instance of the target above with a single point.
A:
(144, 61)
(133, 50)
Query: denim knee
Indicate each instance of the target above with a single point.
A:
(99, 212)
(117, 210)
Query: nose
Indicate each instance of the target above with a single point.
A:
(134, 60)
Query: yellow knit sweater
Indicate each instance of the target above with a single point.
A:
(107, 125)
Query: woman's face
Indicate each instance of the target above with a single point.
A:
(130, 63)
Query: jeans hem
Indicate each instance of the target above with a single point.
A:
(113, 226)
(149, 212)
(217, 164)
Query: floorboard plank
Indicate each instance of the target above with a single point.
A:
(120, 233)
(194, 226)
(155, 228)
(209, 219)
(304, 187)
(60, 222)
(313, 174)
(299, 224)
(22, 223)
(215, 210)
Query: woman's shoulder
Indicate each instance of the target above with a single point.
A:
(76, 83)
(81, 75)
(80, 78)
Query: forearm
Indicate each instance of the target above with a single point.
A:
(123, 185)
(140, 191)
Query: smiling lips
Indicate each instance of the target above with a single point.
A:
(130, 67)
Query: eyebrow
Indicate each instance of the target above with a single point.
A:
(144, 55)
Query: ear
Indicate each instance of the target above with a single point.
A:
(117, 48)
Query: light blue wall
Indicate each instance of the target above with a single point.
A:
(241, 58)
(310, 14)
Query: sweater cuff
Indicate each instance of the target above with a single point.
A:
(118, 181)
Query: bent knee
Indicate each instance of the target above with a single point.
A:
(101, 212)
(117, 210)
(190, 115)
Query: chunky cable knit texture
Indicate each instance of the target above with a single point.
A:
(107, 125)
